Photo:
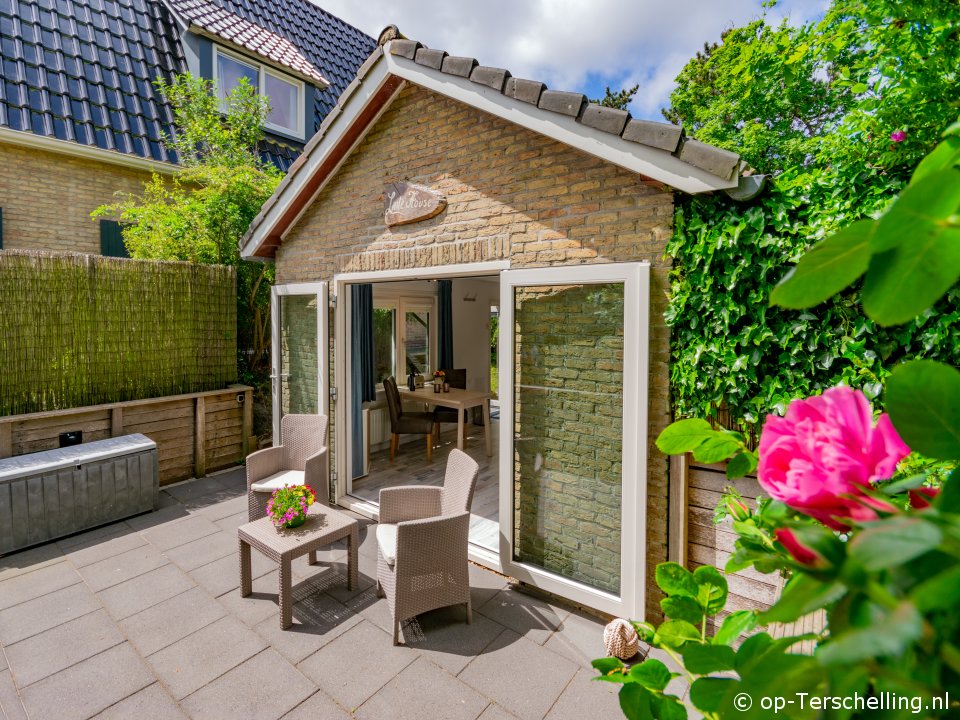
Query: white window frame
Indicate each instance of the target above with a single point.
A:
(391, 304)
(411, 304)
(263, 70)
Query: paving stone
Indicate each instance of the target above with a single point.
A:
(151, 703)
(584, 698)
(264, 687)
(62, 646)
(261, 604)
(234, 506)
(448, 641)
(317, 620)
(205, 550)
(532, 617)
(223, 575)
(87, 536)
(499, 674)
(318, 706)
(88, 687)
(115, 570)
(484, 584)
(164, 623)
(234, 479)
(25, 561)
(423, 690)
(139, 593)
(171, 534)
(193, 489)
(580, 639)
(144, 522)
(3, 660)
(495, 712)
(30, 585)
(42, 613)
(10, 704)
(101, 547)
(192, 662)
(357, 664)
(232, 522)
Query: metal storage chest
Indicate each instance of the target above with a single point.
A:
(50, 494)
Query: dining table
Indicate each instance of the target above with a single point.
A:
(457, 399)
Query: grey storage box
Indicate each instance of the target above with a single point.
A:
(49, 494)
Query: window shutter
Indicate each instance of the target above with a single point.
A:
(111, 239)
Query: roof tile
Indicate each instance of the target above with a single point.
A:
(655, 134)
(489, 76)
(717, 161)
(430, 58)
(459, 66)
(566, 103)
(606, 119)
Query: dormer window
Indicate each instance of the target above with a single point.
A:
(286, 94)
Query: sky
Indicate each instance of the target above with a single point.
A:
(577, 45)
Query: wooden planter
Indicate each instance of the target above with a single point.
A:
(49, 494)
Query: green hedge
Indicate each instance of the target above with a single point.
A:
(80, 330)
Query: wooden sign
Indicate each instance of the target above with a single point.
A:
(408, 203)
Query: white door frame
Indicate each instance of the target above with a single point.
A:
(636, 279)
(318, 289)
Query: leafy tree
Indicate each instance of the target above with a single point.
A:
(837, 112)
(200, 213)
(619, 100)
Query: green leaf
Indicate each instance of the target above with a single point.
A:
(674, 579)
(717, 448)
(681, 607)
(734, 625)
(675, 634)
(706, 659)
(802, 595)
(827, 268)
(899, 486)
(712, 593)
(894, 542)
(945, 155)
(607, 665)
(684, 436)
(708, 694)
(742, 464)
(889, 635)
(651, 674)
(645, 631)
(949, 498)
(923, 399)
(916, 251)
(668, 707)
(635, 702)
(939, 592)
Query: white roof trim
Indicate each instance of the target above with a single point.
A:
(652, 162)
(87, 152)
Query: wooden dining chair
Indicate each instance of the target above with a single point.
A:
(412, 423)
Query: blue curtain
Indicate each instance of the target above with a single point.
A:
(445, 299)
(362, 382)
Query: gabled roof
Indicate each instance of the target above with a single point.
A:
(657, 150)
(81, 71)
(230, 27)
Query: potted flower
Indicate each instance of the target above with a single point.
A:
(287, 507)
(439, 378)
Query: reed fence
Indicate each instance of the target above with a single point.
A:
(79, 330)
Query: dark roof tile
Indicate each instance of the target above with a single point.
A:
(491, 77)
(459, 66)
(717, 161)
(606, 119)
(430, 58)
(565, 103)
(406, 48)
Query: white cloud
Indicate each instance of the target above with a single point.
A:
(569, 43)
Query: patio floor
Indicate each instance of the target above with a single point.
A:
(143, 618)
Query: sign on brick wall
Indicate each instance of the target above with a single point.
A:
(408, 203)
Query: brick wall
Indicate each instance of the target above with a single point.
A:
(47, 198)
(512, 194)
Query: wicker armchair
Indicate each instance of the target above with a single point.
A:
(302, 458)
(422, 543)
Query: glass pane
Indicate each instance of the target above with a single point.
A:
(384, 343)
(284, 105)
(417, 334)
(229, 72)
(568, 412)
(298, 354)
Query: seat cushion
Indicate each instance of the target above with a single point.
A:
(387, 540)
(278, 480)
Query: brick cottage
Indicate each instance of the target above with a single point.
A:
(557, 213)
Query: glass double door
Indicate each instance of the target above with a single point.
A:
(574, 364)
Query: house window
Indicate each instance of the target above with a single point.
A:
(384, 343)
(416, 340)
(404, 340)
(285, 95)
(111, 239)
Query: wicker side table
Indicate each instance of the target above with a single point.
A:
(323, 527)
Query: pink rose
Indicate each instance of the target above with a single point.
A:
(898, 136)
(803, 554)
(921, 497)
(820, 456)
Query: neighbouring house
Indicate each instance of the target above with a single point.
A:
(80, 118)
(441, 199)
